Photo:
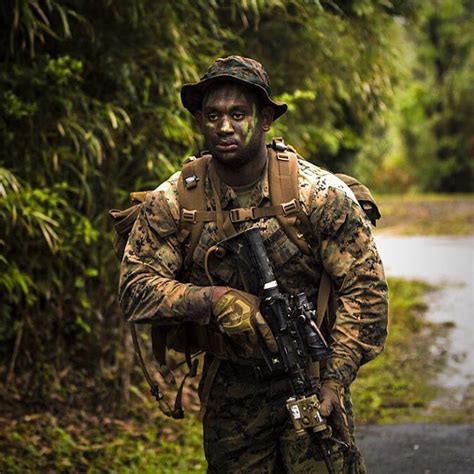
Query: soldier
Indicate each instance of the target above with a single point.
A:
(246, 425)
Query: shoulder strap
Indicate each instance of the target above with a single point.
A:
(192, 198)
(284, 188)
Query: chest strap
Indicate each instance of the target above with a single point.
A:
(242, 214)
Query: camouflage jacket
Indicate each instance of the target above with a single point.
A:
(153, 285)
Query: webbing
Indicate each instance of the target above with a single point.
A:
(192, 195)
(241, 214)
(225, 227)
(284, 187)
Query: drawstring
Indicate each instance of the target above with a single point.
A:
(210, 250)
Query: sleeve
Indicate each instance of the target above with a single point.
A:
(148, 288)
(349, 255)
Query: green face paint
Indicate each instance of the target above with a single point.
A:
(248, 126)
(230, 124)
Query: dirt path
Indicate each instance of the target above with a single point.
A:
(418, 448)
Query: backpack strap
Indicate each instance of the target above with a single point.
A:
(192, 198)
(284, 194)
(139, 196)
(284, 189)
(240, 214)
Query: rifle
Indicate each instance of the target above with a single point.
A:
(292, 321)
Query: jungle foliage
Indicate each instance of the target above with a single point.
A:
(89, 111)
(425, 141)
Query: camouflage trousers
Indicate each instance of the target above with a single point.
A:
(247, 429)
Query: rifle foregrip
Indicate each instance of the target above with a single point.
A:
(260, 259)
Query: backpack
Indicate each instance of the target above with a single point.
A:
(285, 206)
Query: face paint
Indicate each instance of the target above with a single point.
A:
(226, 127)
(230, 122)
(248, 126)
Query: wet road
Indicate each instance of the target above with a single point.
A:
(431, 448)
(418, 449)
(448, 262)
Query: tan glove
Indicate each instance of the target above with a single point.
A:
(238, 316)
(332, 408)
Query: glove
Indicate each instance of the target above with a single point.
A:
(332, 408)
(238, 316)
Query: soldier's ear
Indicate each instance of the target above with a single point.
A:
(266, 118)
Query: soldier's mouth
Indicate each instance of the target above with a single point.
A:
(226, 147)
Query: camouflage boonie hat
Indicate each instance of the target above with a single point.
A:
(238, 69)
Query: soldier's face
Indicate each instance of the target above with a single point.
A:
(232, 125)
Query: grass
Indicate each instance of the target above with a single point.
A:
(400, 385)
(427, 214)
(76, 442)
(397, 387)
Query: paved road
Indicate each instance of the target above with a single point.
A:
(418, 448)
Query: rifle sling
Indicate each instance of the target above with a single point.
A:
(323, 297)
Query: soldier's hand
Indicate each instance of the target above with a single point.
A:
(238, 316)
(332, 408)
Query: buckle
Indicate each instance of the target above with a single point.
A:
(188, 216)
(242, 214)
(283, 157)
(191, 182)
(289, 207)
(278, 144)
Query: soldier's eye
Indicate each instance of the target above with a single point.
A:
(238, 115)
(212, 117)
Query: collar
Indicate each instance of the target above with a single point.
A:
(228, 196)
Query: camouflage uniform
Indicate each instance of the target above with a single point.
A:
(246, 425)
(247, 428)
(150, 288)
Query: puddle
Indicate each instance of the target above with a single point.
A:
(447, 262)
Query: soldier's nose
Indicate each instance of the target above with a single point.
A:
(225, 127)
